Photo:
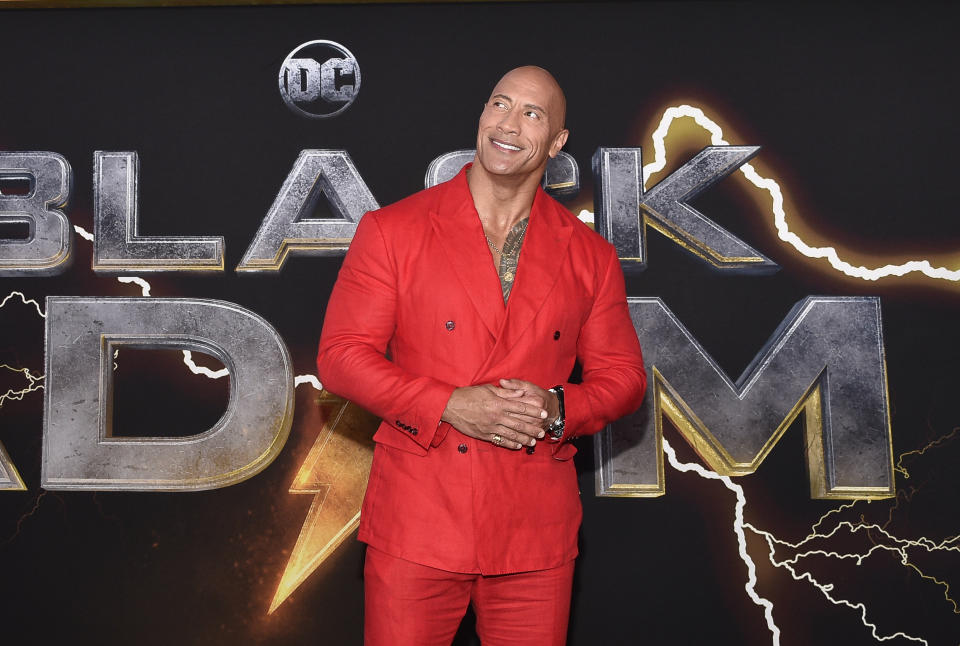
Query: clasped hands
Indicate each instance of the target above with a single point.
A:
(516, 412)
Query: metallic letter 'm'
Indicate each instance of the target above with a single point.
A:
(825, 359)
(117, 245)
(79, 448)
(316, 174)
(561, 179)
(624, 210)
(46, 250)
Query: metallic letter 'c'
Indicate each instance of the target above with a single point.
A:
(46, 250)
(825, 359)
(117, 244)
(79, 448)
(286, 229)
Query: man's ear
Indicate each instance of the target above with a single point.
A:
(558, 142)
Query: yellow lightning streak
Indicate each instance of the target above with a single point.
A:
(25, 300)
(738, 525)
(897, 545)
(16, 395)
(335, 472)
(780, 216)
(940, 440)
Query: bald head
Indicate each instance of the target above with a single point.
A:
(521, 127)
(538, 80)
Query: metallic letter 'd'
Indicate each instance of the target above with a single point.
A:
(117, 245)
(79, 448)
(46, 251)
(285, 230)
(618, 177)
(825, 359)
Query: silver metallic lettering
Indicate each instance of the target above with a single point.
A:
(46, 249)
(80, 450)
(118, 246)
(334, 84)
(303, 79)
(317, 174)
(10, 479)
(826, 359)
(624, 210)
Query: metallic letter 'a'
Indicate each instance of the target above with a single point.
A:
(80, 450)
(561, 179)
(117, 244)
(826, 359)
(10, 479)
(624, 210)
(316, 175)
(46, 249)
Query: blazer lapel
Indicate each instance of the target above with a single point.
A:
(542, 256)
(460, 233)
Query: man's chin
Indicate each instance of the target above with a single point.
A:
(518, 170)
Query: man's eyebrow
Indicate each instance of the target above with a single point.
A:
(526, 105)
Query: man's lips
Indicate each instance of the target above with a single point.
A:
(502, 145)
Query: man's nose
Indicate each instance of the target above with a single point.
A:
(509, 122)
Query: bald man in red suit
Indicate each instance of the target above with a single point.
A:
(483, 292)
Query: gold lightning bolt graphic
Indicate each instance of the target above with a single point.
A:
(335, 472)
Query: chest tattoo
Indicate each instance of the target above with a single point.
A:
(510, 255)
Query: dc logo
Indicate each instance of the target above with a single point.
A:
(319, 79)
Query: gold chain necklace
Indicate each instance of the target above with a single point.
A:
(523, 231)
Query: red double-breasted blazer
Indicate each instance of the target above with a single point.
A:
(418, 284)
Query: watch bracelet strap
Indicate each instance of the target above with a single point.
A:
(556, 428)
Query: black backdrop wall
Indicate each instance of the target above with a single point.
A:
(853, 106)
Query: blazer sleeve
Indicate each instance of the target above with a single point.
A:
(614, 378)
(360, 321)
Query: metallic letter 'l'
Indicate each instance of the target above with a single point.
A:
(117, 244)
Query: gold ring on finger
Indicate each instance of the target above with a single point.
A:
(497, 439)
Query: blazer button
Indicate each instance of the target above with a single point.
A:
(556, 335)
(462, 448)
(450, 325)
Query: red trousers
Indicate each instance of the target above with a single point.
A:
(414, 605)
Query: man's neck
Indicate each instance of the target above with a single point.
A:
(501, 201)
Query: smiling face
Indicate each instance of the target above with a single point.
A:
(521, 126)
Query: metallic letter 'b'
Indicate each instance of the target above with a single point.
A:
(316, 175)
(117, 244)
(46, 250)
(624, 210)
(80, 450)
(825, 359)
